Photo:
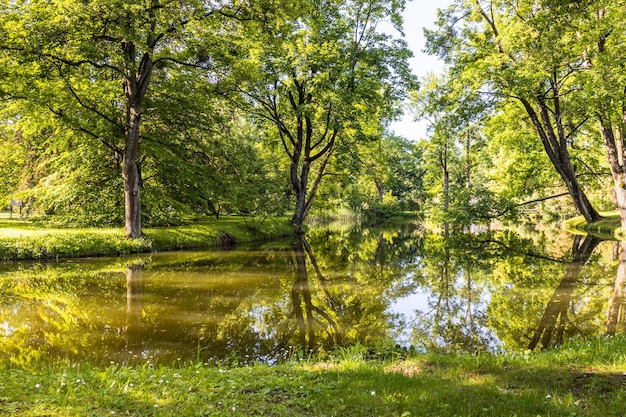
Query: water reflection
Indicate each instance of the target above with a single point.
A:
(616, 316)
(555, 322)
(454, 278)
(306, 314)
(497, 290)
(134, 306)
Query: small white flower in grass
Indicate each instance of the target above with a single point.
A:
(234, 409)
(37, 386)
(156, 405)
(548, 396)
(373, 393)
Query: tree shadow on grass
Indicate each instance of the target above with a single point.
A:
(446, 386)
(427, 389)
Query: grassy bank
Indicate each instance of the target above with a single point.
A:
(608, 227)
(24, 240)
(581, 379)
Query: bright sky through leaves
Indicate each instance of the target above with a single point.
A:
(417, 15)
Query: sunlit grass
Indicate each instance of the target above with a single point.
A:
(24, 240)
(580, 379)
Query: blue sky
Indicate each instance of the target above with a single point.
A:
(417, 15)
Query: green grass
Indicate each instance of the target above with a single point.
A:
(608, 227)
(580, 379)
(24, 240)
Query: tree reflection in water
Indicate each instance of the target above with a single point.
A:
(554, 323)
(308, 317)
(396, 284)
(453, 276)
(134, 305)
(616, 316)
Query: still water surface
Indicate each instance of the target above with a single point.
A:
(393, 285)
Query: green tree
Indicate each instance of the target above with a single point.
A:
(456, 148)
(387, 178)
(325, 76)
(595, 32)
(12, 156)
(519, 52)
(433, 104)
(109, 70)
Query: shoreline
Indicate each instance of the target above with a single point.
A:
(24, 241)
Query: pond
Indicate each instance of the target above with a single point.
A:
(396, 285)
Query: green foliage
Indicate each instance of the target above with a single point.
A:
(518, 167)
(12, 157)
(385, 209)
(531, 64)
(211, 233)
(322, 80)
(480, 206)
(90, 78)
(199, 153)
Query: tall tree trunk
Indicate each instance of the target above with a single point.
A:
(130, 174)
(613, 138)
(380, 187)
(468, 162)
(581, 202)
(615, 154)
(136, 80)
(302, 157)
(554, 141)
(300, 181)
(446, 185)
(299, 213)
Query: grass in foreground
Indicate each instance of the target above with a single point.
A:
(24, 240)
(583, 379)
